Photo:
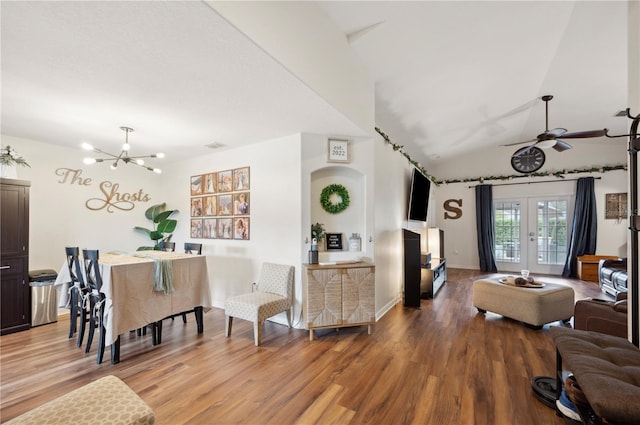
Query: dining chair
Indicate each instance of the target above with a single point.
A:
(189, 248)
(167, 246)
(96, 300)
(77, 292)
(273, 294)
(192, 248)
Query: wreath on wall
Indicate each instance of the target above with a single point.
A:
(327, 203)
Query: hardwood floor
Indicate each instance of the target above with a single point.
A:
(441, 364)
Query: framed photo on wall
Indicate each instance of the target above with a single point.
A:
(225, 181)
(210, 183)
(196, 228)
(196, 185)
(338, 151)
(241, 203)
(210, 228)
(225, 228)
(241, 179)
(224, 204)
(196, 207)
(241, 228)
(210, 205)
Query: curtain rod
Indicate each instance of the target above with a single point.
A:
(546, 181)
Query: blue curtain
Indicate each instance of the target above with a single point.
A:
(485, 228)
(584, 227)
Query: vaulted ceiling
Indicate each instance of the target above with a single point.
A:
(450, 77)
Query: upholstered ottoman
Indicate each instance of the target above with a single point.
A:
(533, 306)
(106, 401)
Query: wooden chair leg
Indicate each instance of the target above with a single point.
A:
(92, 324)
(199, 312)
(257, 332)
(73, 313)
(83, 325)
(227, 326)
(101, 334)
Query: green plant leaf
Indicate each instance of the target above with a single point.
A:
(155, 235)
(152, 212)
(143, 229)
(167, 226)
(163, 215)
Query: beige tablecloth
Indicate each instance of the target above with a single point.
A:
(127, 283)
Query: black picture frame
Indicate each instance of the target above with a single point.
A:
(334, 241)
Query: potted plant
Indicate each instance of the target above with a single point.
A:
(163, 225)
(317, 232)
(9, 160)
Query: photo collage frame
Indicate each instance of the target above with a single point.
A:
(221, 205)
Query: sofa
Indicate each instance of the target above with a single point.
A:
(609, 317)
(612, 275)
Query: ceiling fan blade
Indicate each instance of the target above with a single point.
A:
(561, 146)
(521, 143)
(585, 134)
(555, 132)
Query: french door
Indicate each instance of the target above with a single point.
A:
(532, 233)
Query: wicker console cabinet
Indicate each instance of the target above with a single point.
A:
(340, 295)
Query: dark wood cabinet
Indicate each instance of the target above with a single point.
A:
(15, 295)
(412, 265)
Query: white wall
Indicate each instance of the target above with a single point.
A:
(392, 178)
(460, 234)
(275, 219)
(59, 215)
(288, 31)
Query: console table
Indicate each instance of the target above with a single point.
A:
(338, 295)
(432, 277)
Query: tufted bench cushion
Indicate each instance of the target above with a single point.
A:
(534, 306)
(607, 368)
(106, 401)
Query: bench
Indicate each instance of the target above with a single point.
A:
(106, 401)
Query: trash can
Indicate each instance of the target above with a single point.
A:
(44, 305)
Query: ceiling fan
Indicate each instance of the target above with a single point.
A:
(551, 138)
(531, 158)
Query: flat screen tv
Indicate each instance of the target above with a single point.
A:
(419, 196)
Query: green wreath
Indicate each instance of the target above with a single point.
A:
(325, 198)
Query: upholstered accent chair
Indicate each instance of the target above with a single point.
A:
(273, 294)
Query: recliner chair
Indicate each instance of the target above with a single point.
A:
(608, 317)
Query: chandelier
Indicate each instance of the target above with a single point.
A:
(123, 156)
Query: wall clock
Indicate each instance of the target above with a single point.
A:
(527, 160)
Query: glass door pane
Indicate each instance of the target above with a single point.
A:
(508, 216)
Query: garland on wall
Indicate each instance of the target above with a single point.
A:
(559, 174)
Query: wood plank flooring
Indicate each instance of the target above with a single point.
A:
(442, 364)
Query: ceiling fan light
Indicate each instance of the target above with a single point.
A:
(546, 144)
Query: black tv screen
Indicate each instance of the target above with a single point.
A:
(419, 196)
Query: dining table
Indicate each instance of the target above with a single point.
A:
(145, 287)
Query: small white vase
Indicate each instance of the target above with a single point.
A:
(8, 171)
